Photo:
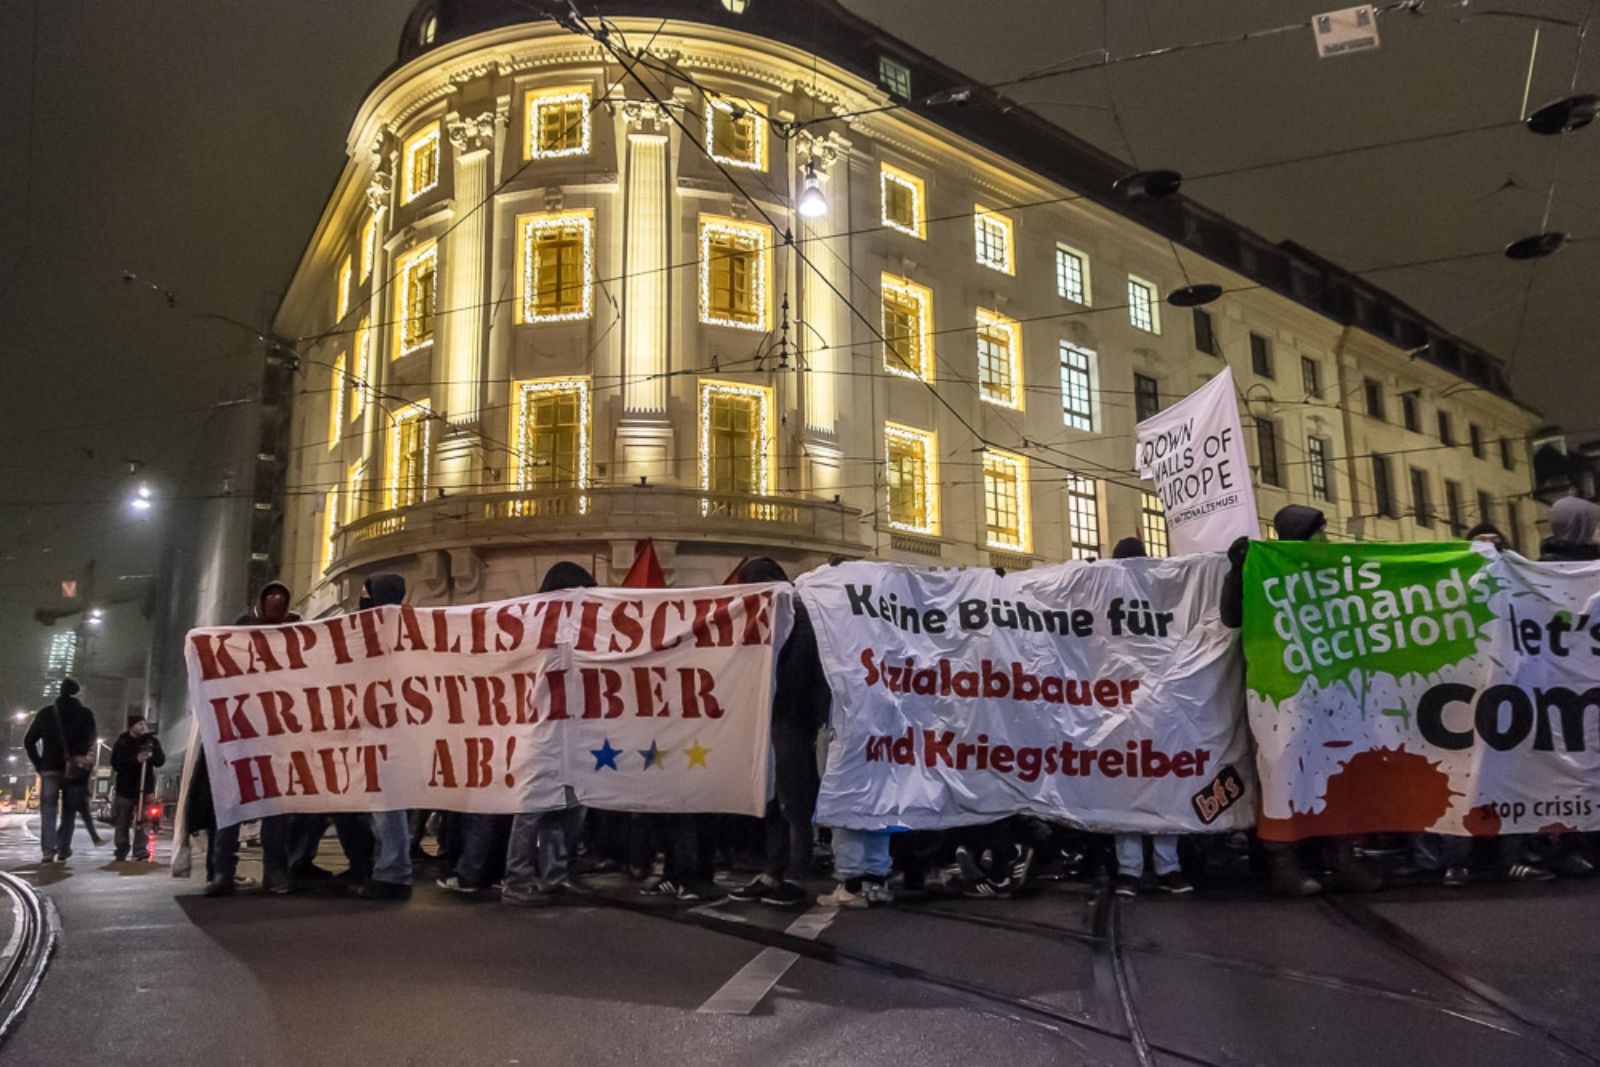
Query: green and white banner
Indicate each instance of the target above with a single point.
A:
(1422, 687)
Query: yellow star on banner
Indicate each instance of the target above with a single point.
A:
(696, 754)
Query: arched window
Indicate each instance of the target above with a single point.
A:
(429, 29)
(736, 6)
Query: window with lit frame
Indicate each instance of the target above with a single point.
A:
(1005, 501)
(1153, 525)
(1143, 310)
(1083, 517)
(355, 492)
(330, 526)
(409, 442)
(336, 387)
(737, 132)
(735, 439)
(363, 369)
(558, 122)
(557, 274)
(419, 162)
(1072, 275)
(999, 360)
(907, 322)
(992, 236)
(903, 196)
(552, 433)
(912, 476)
(341, 301)
(414, 299)
(734, 262)
(369, 246)
(1317, 456)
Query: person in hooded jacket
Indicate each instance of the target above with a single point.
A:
(799, 710)
(134, 759)
(1296, 522)
(390, 875)
(60, 745)
(272, 609)
(536, 853)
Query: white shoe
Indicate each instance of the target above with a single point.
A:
(877, 894)
(841, 897)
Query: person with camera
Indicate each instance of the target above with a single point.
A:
(60, 745)
(134, 759)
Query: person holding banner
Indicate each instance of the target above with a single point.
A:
(390, 875)
(272, 609)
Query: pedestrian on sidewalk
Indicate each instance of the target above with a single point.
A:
(134, 758)
(60, 745)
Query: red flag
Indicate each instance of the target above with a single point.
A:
(646, 572)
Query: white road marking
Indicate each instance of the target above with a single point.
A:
(740, 994)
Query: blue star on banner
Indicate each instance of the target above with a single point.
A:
(605, 755)
(654, 756)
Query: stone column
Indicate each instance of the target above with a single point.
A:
(825, 328)
(644, 436)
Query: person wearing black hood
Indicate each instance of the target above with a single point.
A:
(799, 711)
(390, 874)
(272, 609)
(134, 759)
(1296, 522)
(60, 745)
(536, 855)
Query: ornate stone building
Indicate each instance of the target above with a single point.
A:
(751, 277)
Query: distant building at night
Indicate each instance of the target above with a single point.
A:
(553, 307)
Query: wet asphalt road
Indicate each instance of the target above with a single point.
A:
(148, 971)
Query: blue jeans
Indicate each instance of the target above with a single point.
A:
(860, 854)
(483, 850)
(49, 811)
(1130, 853)
(536, 859)
(391, 861)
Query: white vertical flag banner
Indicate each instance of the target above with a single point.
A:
(1195, 452)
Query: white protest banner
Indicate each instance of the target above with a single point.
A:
(1195, 452)
(640, 700)
(1430, 687)
(1105, 694)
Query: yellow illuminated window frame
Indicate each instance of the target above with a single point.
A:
(549, 231)
(894, 185)
(994, 239)
(907, 322)
(999, 343)
(919, 450)
(1144, 305)
(738, 142)
(1005, 501)
(330, 526)
(1153, 525)
(411, 424)
(363, 369)
(355, 492)
(341, 301)
(420, 163)
(717, 236)
(369, 245)
(552, 131)
(414, 303)
(761, 455)
(530, 474)
(336, 387)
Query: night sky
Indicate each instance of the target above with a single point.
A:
(192, 143)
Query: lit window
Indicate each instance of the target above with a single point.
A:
(735, 6)
(1077, 387)
(421, 162)
(558, 123)
(1083, 517)
(733, 273)
(1321, 472)
(336, 385)
(1153, 525)
(735, 438)
(903, 197)
(408, 456)
(895, 77)
(363, 374)
(738, 133)
(369, 246)
(552, 433)
(429, 30)
(1072, 275)
(1005, 500)
(999, 359)
(907, 314)
(557, 267)
(341, 300)
(993, 235)
(414, 300)
(355, 493)
(330, 526)
(1143, 311)
(913, 477)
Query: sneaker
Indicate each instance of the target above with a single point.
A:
(703, 893)
(842, 897)
(453, 884)
(988, 889)
(277, 888)
(1021, 866)
(1528, 872)
(1125, 885)
(877, 892)
(121, 855)
(218, 887)
(1456, 877)
(1174, 882)
(661, 887)
(967, 864)
(1573, 865)
(755, 889)
(785, 895)
(372, 889)
(530, 900)
(569, 890)
(1289, 878)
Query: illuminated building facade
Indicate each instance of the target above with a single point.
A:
(559, 302)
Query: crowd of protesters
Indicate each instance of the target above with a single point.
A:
(535, 858)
